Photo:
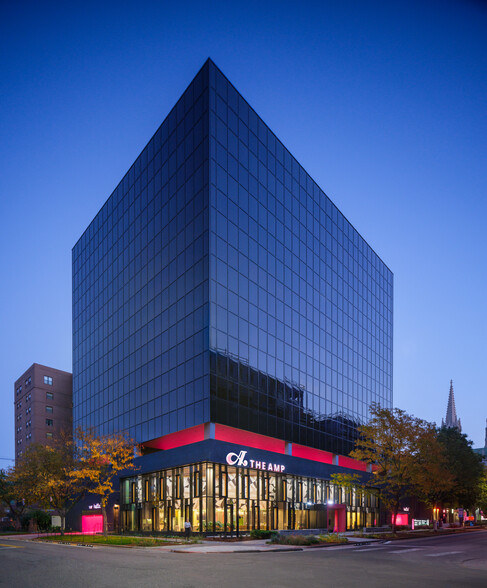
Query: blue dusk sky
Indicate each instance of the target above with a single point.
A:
(383, 103)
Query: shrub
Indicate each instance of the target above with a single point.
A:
(42, 519)
(295, 540)
(261, 534)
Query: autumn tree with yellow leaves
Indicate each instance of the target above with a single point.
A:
(99, 461)
(44, 476)
(406, 456)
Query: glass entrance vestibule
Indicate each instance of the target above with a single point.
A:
(222, 498)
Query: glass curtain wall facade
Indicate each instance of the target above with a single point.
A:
(140, 287)
(224, 499)
(220, 284)
(300, 305)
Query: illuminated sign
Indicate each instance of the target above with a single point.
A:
(94, 506)
(401, 519)
(238, 459)
(421, 522)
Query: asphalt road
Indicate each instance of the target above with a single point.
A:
(453, 560)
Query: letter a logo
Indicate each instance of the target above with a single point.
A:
(237, 459)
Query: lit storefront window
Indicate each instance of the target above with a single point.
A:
(239, 500)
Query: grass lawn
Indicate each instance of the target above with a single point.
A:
(112, 540)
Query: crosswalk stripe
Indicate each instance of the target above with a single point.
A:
(405, 550)
(443, 553)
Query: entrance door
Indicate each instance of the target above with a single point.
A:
(337, 518)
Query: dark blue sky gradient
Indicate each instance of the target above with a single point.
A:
(383, 103)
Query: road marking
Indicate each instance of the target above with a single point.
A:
(442, 553)
(367, 549)
(3, 546)
(405, 550)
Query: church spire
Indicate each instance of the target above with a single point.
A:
(451, 412)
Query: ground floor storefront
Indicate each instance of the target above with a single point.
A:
(218, 497)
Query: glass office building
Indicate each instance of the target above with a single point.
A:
(219, 285)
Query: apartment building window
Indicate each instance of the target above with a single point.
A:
(49, 409)
(49, 395)
(49, 435)
(49, 422)
(48, 380)
(28, 381)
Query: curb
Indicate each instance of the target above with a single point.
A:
(238, 551)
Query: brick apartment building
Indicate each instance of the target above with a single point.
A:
(43, 398)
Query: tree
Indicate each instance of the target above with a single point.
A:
(347, 481)
(100, 459)
(46, 474)
(464, 465)
(11, 494)
(352, 482)
(482, 493)
(431, 478)
(397, 445)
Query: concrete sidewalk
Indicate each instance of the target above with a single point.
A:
(229, 547)
(256, 546)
